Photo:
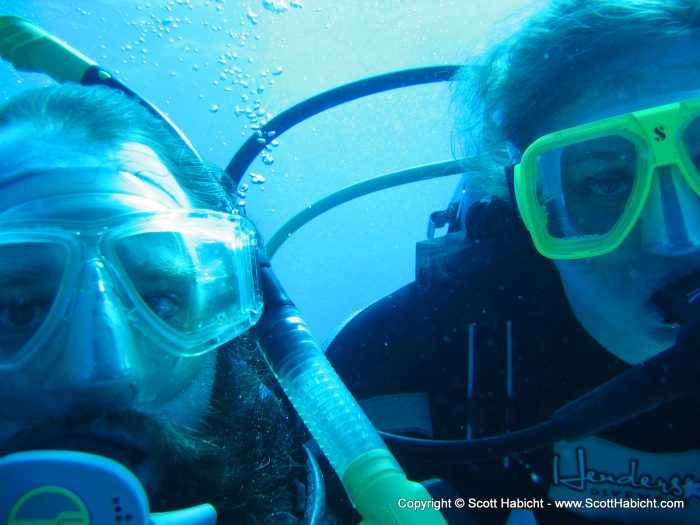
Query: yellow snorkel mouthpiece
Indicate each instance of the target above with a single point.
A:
(29, 48)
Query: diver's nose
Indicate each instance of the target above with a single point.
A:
(671, 216)
(99, 358)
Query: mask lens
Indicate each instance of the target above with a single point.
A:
(585, 187)
(195, 289)
(30, 276)
(162, 273)
(691, 139)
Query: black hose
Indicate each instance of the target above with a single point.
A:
(250, 149)
(315, 508)
(639, 389)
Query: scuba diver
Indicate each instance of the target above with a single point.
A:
(117, 291)
(152, 369)
(577, 268)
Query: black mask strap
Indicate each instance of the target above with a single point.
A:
(510, 174)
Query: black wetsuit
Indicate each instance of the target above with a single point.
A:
(488, 289)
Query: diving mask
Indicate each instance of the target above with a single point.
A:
(582, 190)
(133, 293)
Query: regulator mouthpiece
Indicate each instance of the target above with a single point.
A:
(678, 300)
(59, 486)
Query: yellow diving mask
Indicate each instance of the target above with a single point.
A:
(582, 190)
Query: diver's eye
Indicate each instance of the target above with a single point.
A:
(22, 315)
(164, 306)
(610, 183)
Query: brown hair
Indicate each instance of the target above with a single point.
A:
(103, 117)
(553, 58)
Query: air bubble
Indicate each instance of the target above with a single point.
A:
(252, 17)
(276, 6)
(214, 108)
(256, 178)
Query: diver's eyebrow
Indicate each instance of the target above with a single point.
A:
(13, 271)
(157, 264)
(151, 269)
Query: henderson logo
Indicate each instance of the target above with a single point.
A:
(675, 486)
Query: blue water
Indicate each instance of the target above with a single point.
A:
(210, 64)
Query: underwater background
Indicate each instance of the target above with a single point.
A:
(220, 69)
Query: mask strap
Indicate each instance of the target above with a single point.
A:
(510, 173)
(515, 155)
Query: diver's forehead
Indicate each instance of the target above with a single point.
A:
(34, 169)
(19, 153)
(649, 79)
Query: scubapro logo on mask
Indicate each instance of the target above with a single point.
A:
(49, 505)
(659, 132)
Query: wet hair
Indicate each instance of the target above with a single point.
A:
(99, 117)
(553, 58)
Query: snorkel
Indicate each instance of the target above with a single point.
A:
(76, 485)
(371, 476)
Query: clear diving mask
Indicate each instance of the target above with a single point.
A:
(582, 190)
(93, 300)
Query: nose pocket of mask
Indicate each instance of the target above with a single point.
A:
(671, 217)
(99, 346)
